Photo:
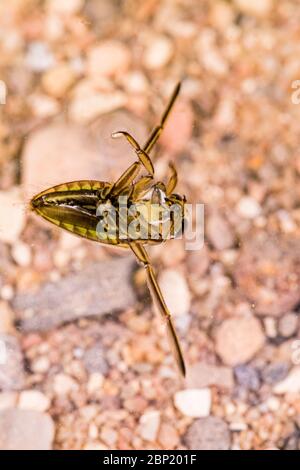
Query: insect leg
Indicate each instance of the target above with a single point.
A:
(158, 129)
(141, 187)
(171, 184)
(142, 155)
(156, 293)
(125, 180)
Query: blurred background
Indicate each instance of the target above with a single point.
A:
(84, 359)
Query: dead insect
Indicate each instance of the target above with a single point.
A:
(92, 209)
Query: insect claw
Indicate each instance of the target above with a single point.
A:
(116, 135)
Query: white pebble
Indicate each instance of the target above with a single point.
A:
(291, 384)
(149, 425)
(195, 403)
(21, 253)
(248, 208)
(158, 53)
(33, 400)
(176, 291)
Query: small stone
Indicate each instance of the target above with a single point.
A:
(12, 215)
(291, 384)
(33, 400)
(38, 57)
(40, 365)
(195, 403)
(43, 106)
(94, 360)
(238, 339)
(12, 376)
(85, 293)
(25, 430)
(176, 292)
(6, 319)
(219, 232)
(85, 108)
(179, 128)
(201, 375)
(248, 208)
(108, 59)
(209, 433)
(64, 384)
(158, 53)
(8, 400)
(21, 253)
(109, 436)
(274, 373)
(258, 8)
(168, 437)
(57, 81)
(66, 7)
(247, 377)
(270, 327)
(288, 324)
(95, 383)
(149, 425)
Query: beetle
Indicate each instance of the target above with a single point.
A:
(92, 210)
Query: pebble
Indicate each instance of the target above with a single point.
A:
(149, 425)
(209, 433)
(12, 375)
(258, 8)
(86, 108)
(108, 59)
(176, 291)
(39, 58)
(58, 80)
(158, 53)
(195, 403)
(65, 7)
(238, 339)
(33, 400)
(288, 324)
(95, 383)
(40, 365)
(274, 373)
(168, 436)
(21, 253)
(84, 293)
(43, 106)
(291, 384)
(6, 319)
(219, 232)
(8, 400)
(25, 430)
(94, 360)
(109, 436)
(248, 207)
(12, 214)
(247, 377)
(64, 384)
(179, 127)
(201, 375)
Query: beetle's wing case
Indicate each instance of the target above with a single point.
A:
(74, 208)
